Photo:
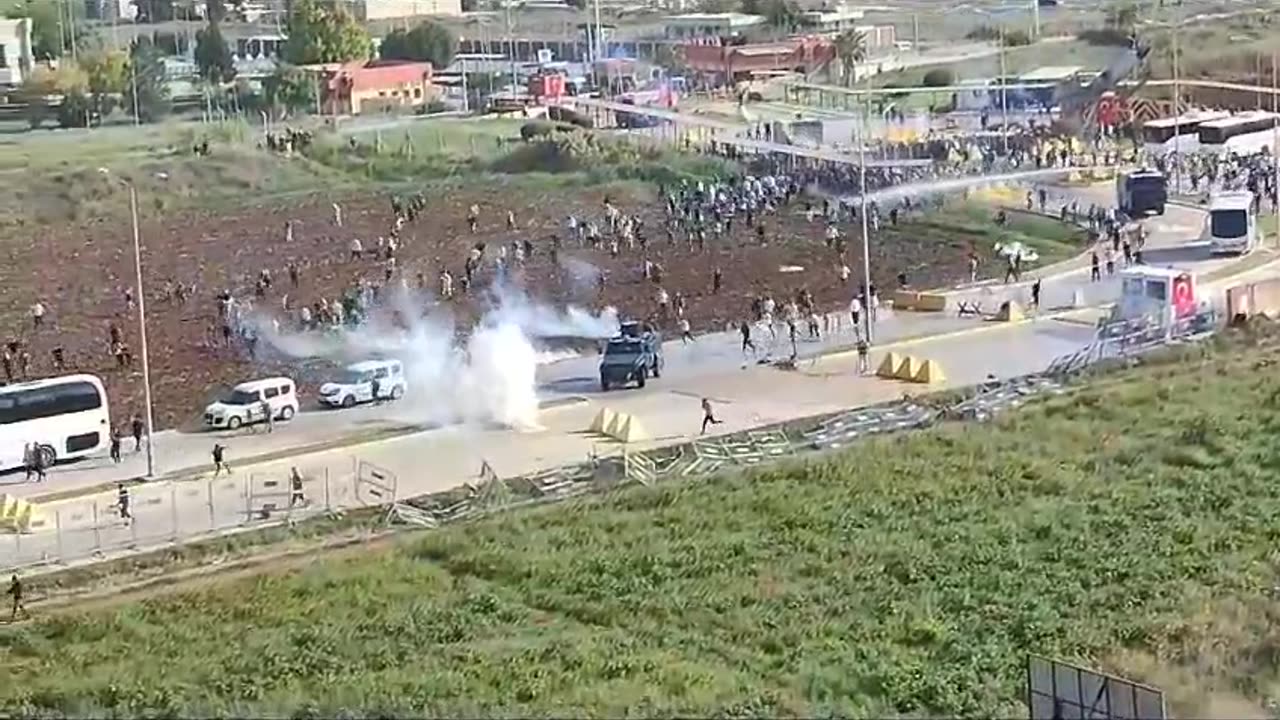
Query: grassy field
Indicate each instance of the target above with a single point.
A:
(1130, 524)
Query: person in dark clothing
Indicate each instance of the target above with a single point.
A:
(122, 502)
(137, 427)
(15, 592)
(218, 463)
(745, 329)
(115, 446)
(708, 415)
(1095, 271)
(717, 281)
(1035, 294)
(296, 497)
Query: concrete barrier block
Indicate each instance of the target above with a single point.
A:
(930, 302)
(904, 299)
(907, 369)
(1010, 311)
(602, 421)
(889, 366)
(930, 372)
(631, 430)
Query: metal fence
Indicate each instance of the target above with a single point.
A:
(181, 511)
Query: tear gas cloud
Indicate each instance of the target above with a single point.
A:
(488, 377)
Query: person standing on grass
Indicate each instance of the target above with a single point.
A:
(115, 445)
(218, 463)
(136, 427)
(708, 415)
(15, 592)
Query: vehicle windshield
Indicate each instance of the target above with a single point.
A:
(624, 347)
(1228, 223)
(240, 397)
(350, 377)
(1147, 184)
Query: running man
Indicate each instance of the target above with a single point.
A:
(122, 502)
(708, 415)
(218, 463)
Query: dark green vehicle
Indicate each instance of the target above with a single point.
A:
(631, 357)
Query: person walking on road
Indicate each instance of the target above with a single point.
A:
(15, 592)
(115, 445)
(864, 366)
(267, 419)
(708, 415)
(1095, 271)
(137, 427)
(122, 502)
(218, 463)
(296, 497)
(686, 333)
(1035, 294)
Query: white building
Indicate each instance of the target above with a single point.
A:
(708, 25)
(15, 51)
(832, 21)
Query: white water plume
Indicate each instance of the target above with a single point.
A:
(490, 377)
(954, 184)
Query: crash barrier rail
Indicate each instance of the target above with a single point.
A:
(181, 511)
(1124, 338)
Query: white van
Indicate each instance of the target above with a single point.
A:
(356, 383)
(243, 405)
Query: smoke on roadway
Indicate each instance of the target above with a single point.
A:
(487, 376)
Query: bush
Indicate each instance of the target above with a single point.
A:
(1016, 38)
(939, 77)
(983, 33)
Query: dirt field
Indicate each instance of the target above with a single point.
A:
(79, 274)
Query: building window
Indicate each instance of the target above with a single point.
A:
(417, 93)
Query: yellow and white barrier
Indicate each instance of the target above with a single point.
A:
(16, 514)
(910, 369)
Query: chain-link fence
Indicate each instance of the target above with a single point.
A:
(175, 512)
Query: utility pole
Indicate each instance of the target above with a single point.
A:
(1177, 116)
(860, 138)
(511, 49)
(1035, 19)
(915, 32)
(1275, 145)
(602, 49)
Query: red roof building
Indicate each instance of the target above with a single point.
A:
(379, 86)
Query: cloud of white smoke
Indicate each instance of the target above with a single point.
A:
(490, 377)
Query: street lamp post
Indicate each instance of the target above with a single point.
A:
(866, 234)
(142, 319)
(142, 327)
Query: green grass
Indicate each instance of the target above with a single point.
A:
(1130, 524)
(1052, 240)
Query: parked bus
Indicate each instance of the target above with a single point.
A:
(1243, 134)
(1232, 224)
(67, 417)
(1179, 134)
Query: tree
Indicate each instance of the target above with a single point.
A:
(324, 34)
(1122, 17)
(213, 57)
(107, 72)
(426, 42)
(147, 90)
(851, 49)
(784, 14)
(46, 84)
(290, 89)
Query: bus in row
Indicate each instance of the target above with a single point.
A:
(1246, 133)
(1179, 134)
(65, 417)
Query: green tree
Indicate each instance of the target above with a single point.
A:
(1122, 17)
(213, 57)
(322, 33)
(45, 85)
(428, 41)
(851, 50)
(147, 89)
(107, 72)
(290, 89)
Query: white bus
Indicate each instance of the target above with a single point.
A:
(66, 416)
(1231, 226)
(1177, 134)
(1243, 134)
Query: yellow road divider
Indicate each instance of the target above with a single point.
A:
(910, 369)
(16, 514)
(623, 427)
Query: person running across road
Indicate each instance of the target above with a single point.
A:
(745, 329)
(218, 463)
(122, 502)
(708, 415)
(115, 445)
(1035, 294)
(15, 592)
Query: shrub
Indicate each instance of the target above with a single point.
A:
(1105, 37)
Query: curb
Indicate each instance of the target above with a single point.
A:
(342, 443)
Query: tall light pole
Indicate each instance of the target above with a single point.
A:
(860, 138)
(142, 319)
(1275, 144)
